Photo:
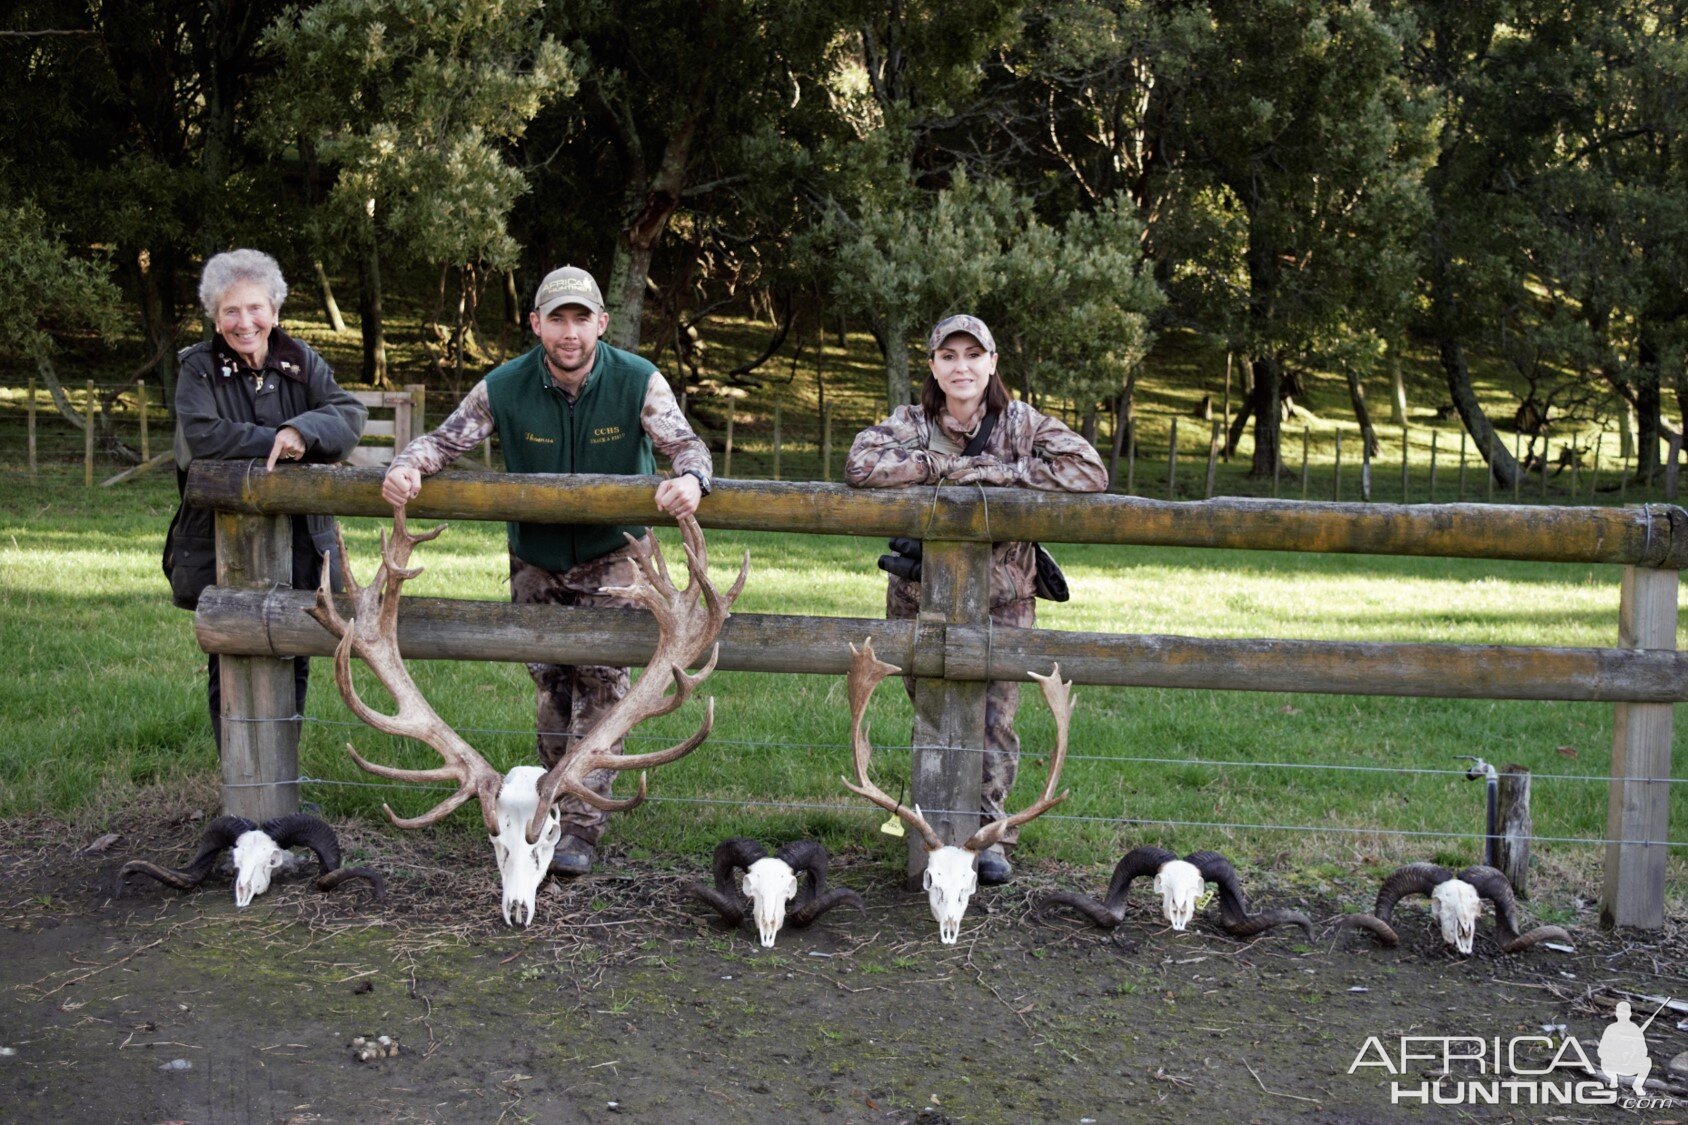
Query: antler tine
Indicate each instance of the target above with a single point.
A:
(1060, 699)
(866, 670)
(684, 631)
(372, 633)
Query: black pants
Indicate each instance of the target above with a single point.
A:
(307, 572)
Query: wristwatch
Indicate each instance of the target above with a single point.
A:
(703, 481)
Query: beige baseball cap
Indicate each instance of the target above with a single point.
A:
(570, 285)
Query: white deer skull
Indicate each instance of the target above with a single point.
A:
(1179, 884)
(1456, 905)
(522, 866)
(952, 873)
(951, 877)
(518, 808)
(257, 857)
(769, 884)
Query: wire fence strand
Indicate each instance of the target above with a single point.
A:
(902, 748)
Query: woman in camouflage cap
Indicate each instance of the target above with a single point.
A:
(967, 429)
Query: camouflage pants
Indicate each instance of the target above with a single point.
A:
(571, 697)
(1002, 699)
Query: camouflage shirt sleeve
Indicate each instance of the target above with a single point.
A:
(469, 425)
(1058, 460)
(670, 433)
(893, 453)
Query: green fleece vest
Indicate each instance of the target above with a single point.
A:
(600, 432)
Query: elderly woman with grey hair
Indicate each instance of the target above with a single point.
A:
(253, 391)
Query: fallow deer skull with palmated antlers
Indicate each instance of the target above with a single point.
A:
(952, 873)
(518, 807)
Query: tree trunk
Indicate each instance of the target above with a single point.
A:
(1357, 395)
(155, 277)
(892, 335)
(1647, 404)
(1268, 378)
(329, 304)
(369, 313)
(1502, 465)
(1239, 421)
(631, 265)
(1398, 401)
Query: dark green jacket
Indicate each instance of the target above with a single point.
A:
(600, 432)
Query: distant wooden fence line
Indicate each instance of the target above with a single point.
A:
(952, 649)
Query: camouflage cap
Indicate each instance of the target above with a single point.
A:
(570, 285)
(962, 322)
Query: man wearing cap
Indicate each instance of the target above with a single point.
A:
(573, 404)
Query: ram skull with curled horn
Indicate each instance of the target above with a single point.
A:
(1180, 883)
(770, 882)
(952, 873)
(1456, 902)
(518, 807)
(259, 851)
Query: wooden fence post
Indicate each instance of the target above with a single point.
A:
(826, 443)
(1434, 434)
(1131, 457)
(1404, 498)
(1213, 463)
(29, 409)
(1638, 795)
(260, 738)
(727, 454)
(1172, 463)
(776, 441)
(1513, 826)
(1462, 437)
(1365, 468)
(88, 440)
(1306, 439)
(1336, 470)
(949, 715)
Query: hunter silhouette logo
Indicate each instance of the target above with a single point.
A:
(1623, 1047)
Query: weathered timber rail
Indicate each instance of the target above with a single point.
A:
(951, 649)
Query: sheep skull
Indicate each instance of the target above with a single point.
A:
(522, 866)
(257, 857)
(769, 884)
(951, 878)
(1179, 884)
(1456, 905)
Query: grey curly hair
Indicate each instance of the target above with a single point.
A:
(232, 267)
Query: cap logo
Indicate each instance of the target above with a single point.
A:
(566, 285)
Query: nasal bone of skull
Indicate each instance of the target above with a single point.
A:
(1455, 904)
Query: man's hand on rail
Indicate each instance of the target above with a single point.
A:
(679, 496)
(289, 446)
(400, 485)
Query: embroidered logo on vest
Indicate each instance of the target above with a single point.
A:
(605, 434)
(529, 435)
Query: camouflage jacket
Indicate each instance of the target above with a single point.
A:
(472, 423)
(1026, 450)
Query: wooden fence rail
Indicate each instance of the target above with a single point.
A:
(951, 648)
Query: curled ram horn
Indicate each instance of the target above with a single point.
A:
(814, 898)
(1137, 863)
(1493, 885)
(304, 830)
(1411, 879)
(735, 853)
(259, 851)
(1233, 907)
(219, 835)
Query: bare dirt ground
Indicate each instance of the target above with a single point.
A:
(625, 1002)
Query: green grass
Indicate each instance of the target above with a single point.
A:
(106, 695)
